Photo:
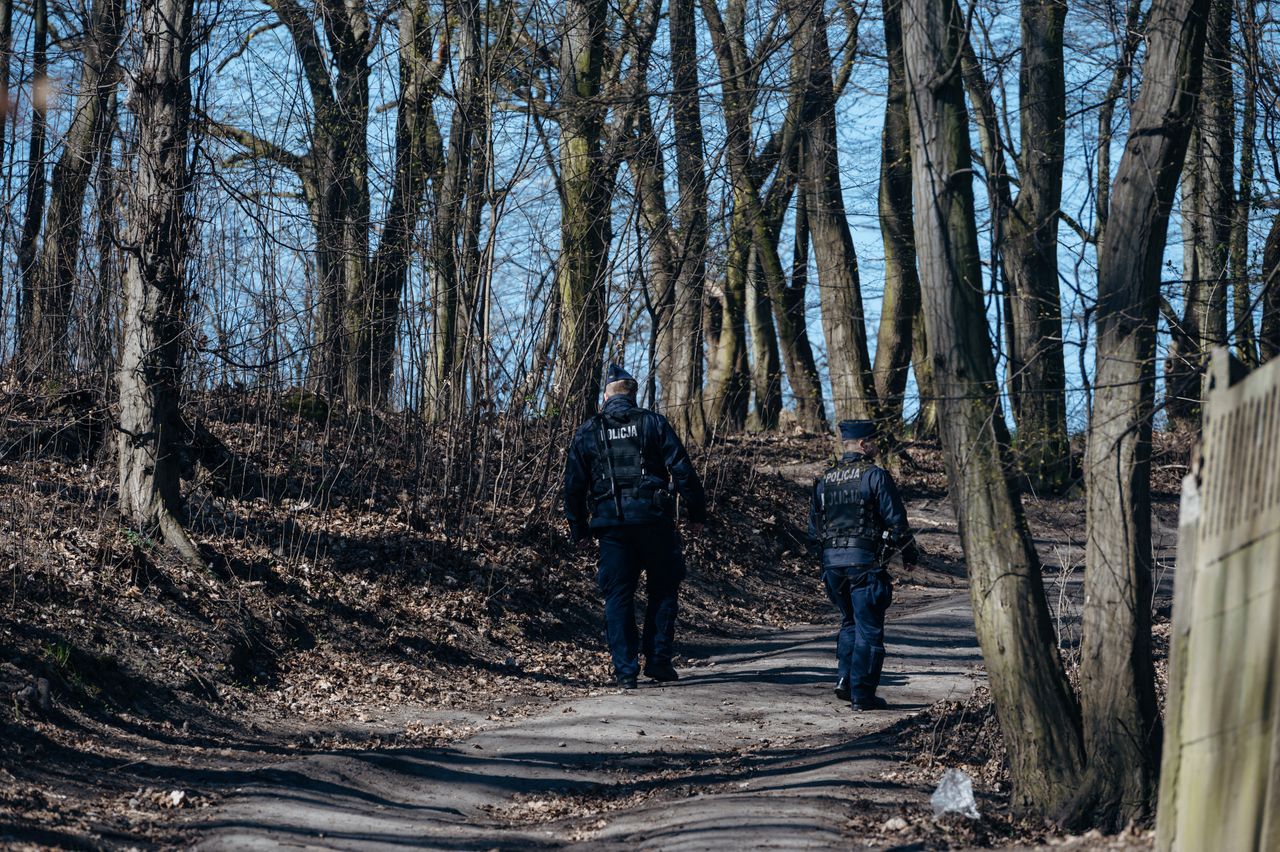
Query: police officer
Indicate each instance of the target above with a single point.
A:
(857, 519)
(618, 487)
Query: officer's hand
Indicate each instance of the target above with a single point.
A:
(696, 528)
(911, 555)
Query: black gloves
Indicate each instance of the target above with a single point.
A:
(910, 553)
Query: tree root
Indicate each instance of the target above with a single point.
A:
(175, 535)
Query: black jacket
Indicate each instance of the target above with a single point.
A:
(666, 463)
(881, 492)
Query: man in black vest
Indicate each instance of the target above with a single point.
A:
(857, 518)
(618, 487)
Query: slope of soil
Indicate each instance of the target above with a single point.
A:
(376, 591)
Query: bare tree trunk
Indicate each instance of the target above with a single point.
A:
(443, 391)
(348, 32)
(684, 403)
(738, 80)
(926, 422)
(843, 323)
(6, 57)
(766, 366)
(648, 177)
(101, 350)
(1106, 115)
(901, 302)
(1269, 330)
(729, 387)
(415, 142)
(787, 298)
(151, 430)
(45, 345)
(1207, 202)
(1026, 237)
(1242, 295)
(586, 193)
(35, 189)
(788, 314)
(1030, 252)
(1034, 703)
(1121, 721)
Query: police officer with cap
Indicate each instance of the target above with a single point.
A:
(857, 519)
(623, 471)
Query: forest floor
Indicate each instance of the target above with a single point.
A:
(353, 672)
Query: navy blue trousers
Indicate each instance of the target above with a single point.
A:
(863, 598)
(626, 552)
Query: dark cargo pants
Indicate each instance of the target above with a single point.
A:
(862, 596)
(625, 552)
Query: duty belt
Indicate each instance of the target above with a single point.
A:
(851, 541)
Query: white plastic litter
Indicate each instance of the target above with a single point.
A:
(954, 795)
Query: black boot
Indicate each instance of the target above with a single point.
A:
(842, 689)
(664, 672)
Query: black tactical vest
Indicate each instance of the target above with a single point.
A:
(850, 518)
(618, 468)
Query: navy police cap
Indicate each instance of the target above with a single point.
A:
(856, 430)
(617, 373)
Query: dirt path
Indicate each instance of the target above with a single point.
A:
(749, 749)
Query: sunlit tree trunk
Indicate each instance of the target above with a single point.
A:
(843, 322)
(901, 303)
(155, 244)
(45, 348)
(648, 176)
(766, 365)
(1025, 233)
(1030, 252)
(6, 60)
(1117, 685)
(586, 194)
(683, 400)
(729, 386)
(442, 392)
(1241, 292)
(416, 142)
(33, 215)
(1207, 211)
(1038, 715)
(1269, 330)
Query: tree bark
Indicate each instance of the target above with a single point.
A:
(33, 215)
(1242, 295)
(843, 323)
(45, 349)
(149, 380)
(374, 346)
(728, 388)
(648, 176)
(1269, 330)
(766, 365)
(1121, 722)
(683, 402)
(586, 194)
(926, 422)
(1034, 703)
(1029, 253)
(6, 57)
(1207, 202)
(747, 170)
(442, 393)
(1026, 239)
(901, 303)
